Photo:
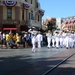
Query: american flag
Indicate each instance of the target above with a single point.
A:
(41, 12)
(10, 3)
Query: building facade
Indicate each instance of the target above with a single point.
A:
(19, 15)
(45, 22)
(58, 23)
(68, 23)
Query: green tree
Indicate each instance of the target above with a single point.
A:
(51, 26)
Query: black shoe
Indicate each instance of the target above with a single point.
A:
(67, 48)
(48, 47)
(57, 47)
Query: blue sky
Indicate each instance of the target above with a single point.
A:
(58, 8)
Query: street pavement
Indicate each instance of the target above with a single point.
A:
(67, 68)
(25, 62)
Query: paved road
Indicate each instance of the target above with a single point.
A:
(24, 62)
(67, 68)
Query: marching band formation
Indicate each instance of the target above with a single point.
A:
(58, 40)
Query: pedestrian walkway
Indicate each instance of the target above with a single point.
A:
(24, 62)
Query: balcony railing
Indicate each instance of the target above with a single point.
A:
(33, 23)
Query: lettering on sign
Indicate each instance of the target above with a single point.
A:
(8, 22)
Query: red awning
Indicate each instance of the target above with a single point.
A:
(9, 28)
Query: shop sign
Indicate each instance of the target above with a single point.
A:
(9, 22)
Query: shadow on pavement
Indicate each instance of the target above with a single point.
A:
(26, 65)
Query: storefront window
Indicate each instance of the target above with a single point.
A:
(22, 14)
(31, 1)
(29, 15)
(32, 15)
(38, 18)
(9, 12)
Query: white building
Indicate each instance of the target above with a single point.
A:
(58, 23)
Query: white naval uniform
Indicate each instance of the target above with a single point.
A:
(70, 40)
(74, 39)
(64, 40)
(33, 43)
(57, 40)
(61, 40)
(72, 36)
(53, 40)
(39, 38)
(67, 40)
(49, 39)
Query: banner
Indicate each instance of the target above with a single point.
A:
(26, 6)
(10, 3)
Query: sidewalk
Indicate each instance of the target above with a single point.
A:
(24, 62)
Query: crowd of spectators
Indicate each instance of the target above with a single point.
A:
(17, 40)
